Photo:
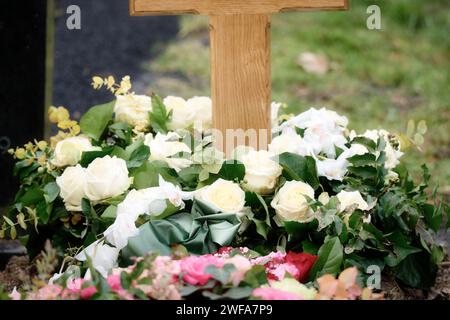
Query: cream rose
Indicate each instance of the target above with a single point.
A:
(106, 178)
(68, 151)
(71, 184)
(261, 172)
(195, 111)
(291, 202)
(134, 110)
(202, 112)
(223, 196)
(166, 147)
(349, 200)
(288, 141)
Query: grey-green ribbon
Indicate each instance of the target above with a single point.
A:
(202, 231)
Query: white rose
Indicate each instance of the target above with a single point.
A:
(68, 151)
(196, 111)
(201, 108)
(180, 113)
(71, 184)
(106, 178)
(223, 196)
(349, 200)
(134, 110)
(261, 172)
(103, 256)
(288, 141)
(165, 147)
(291, 202)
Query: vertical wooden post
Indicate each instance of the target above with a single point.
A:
(241, 74)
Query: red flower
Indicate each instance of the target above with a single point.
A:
(303, 262)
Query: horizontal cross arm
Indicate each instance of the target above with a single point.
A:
(221, 7)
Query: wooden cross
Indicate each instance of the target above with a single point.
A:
(240, 54)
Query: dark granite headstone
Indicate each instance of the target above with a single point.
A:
(110, 41)
(22, 82)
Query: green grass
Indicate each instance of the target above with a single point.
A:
(379, 78)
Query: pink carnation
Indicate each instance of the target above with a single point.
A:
(274, 294)
(193, 268)
(88, 292)
(116, 286)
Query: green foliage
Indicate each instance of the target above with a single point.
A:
(296, 167)
(159, 115)
(95, 121)
(330, 258)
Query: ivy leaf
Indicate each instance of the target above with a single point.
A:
(416, 271)
(138, 157)
(296, 167)
(95, 121)
(232, 170)
(330, 258)
(88, 156)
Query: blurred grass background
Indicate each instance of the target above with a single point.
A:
(378, 78)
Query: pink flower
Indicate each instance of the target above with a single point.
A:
(88, 292)
(75, 284)
(15, 295)
(278, 272)
(193, 268)
(49, 292)
(116, 286)
(274, 294)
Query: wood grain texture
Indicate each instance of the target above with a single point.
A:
(219, 7)
(241, 77)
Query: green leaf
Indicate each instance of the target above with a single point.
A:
(232, 170)
(88, 156)
(31, 196)
(51, 191)
(368, 143)
(138, 157)
(94, 122)
(148, 175)
(296, 167)
(13, 233)
(433, 216)
(8, 221)
(367, 159)
(261, 228)
(238, 293)
(330, 258)
(310, 247)
(110, 213)
(159, 116)
(43, 211)
(416, 271)
(220, 274)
